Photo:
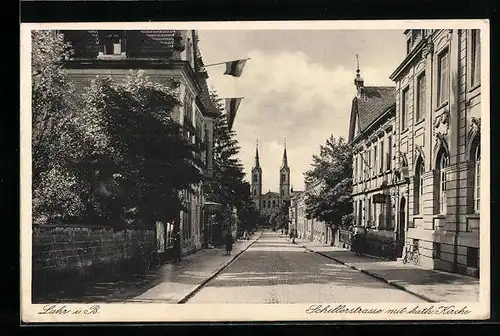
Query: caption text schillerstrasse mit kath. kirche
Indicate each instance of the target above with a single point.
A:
(416, 310)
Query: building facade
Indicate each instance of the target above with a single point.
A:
(171, 58)
(371, 136)
(437, 136)
(270, 201)
(308, 229)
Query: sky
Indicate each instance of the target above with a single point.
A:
(298, 85)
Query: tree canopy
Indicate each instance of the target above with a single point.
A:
(117, 155)
(332, 169)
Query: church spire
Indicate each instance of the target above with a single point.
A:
(359, 81)
(284, 164)
(257, 164)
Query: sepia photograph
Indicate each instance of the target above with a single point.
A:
(255, 171)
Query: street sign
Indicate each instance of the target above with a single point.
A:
(379, 198)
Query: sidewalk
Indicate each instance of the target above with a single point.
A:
(430, 285)
(180, 281)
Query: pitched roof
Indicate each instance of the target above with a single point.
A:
(271, 194)
(376, 101)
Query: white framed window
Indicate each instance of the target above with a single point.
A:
(355, 176)
(389, 152)
(381, 156)
(475, 56)
(405, 104)
(443, 77)
(113, 44)
(477, 178)
(419, 187)
(442, 164)
(421, 96)
(375, 157)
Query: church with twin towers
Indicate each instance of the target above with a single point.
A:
(271, 200)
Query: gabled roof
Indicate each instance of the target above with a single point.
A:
(376, 101)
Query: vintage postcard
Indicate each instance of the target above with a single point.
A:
(255, 171)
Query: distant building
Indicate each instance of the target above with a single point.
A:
(270, 201)
(308, 229)
(172, 58)
(437, 137)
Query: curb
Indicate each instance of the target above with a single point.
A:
(393, 283)
(197, 288)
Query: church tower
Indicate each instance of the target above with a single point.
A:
(284, 177)
(256, 185)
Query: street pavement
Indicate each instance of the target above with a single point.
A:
(273, 270)
(431, 285)
(170, 283)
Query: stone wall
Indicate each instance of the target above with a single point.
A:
(68, 256)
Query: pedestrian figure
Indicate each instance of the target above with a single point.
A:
(229, 243)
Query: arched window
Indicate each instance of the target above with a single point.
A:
(441, 165)
(477, 177)
(419, 186)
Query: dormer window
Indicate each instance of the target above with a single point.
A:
(113, 44)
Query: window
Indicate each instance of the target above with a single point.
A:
(408, 45)
(472, 257)
(274, 202)
(369, 155)
(442, 164)
(263, 204)
(254, 192)
(369, 222)
(389, 152)
(113, 44)
(375, 157)
(404, 109)
(443, 86)
(477, 177)
(419, 187)
(269, 203)
(255, 178)
(355, 176)
(476, 57)
(283, 178)
(360, 212)
(381, 163)
(421, 98)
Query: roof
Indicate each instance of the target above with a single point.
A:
(145, 43)
(377, 100)
(271, 194)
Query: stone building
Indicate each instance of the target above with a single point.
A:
(371, 136)
(169, 57)
(270, 201)
(437, 153)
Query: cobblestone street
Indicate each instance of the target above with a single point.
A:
(273, 270)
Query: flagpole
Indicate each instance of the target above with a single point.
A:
(220, 63)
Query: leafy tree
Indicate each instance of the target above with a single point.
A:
(56, 144)
(148, 157)
(332, 168)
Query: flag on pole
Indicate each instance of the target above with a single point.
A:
(235, 68)
(232, 105)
